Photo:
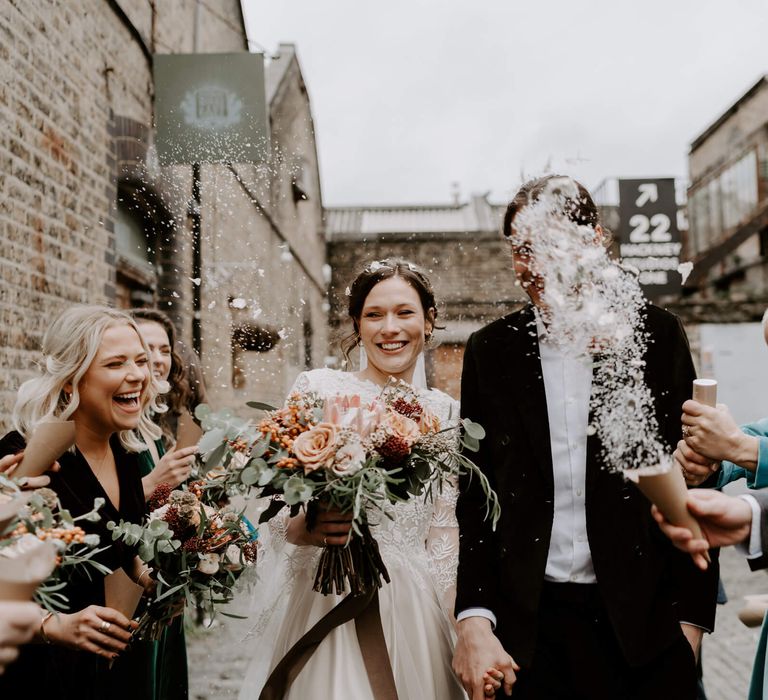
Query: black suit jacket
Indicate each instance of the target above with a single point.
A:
(647, 586)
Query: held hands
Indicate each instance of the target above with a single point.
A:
(101, 631)
(480, 662)
(173, 469)
(18, 623)
(723, 519)
(332, 527)
(714, 435)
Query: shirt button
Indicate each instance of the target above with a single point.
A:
(580, 538)
(579, 492)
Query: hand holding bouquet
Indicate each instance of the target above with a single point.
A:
(341, 454)
(196, 553)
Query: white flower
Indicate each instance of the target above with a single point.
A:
(232, 555)
(209, 563)
(159, 513)
(349, 459)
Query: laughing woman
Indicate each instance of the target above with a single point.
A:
(95, 372)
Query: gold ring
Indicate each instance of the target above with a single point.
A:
(104, 626)
(686, 431)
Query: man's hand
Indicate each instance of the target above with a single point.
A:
(478, 650)
(693, 634)
(713, 433)
(723, 519)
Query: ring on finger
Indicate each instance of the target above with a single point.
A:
(325, 541)
(104, 626)
(686, 431)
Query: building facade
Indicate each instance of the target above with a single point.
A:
(728, 213)
(459, 245)
(88, 216)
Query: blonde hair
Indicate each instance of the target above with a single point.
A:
(69, 347)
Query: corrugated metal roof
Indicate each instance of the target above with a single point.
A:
(476, 215)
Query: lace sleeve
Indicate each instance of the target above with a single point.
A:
(443, 546)
(301, 384)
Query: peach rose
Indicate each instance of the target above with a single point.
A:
(316, 447)
(428, 422)
(403, 427)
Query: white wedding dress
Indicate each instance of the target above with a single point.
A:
(419, 546)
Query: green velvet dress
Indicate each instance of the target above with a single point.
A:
(170, 682)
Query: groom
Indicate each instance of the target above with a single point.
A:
(577, 594)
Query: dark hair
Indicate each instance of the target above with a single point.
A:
(376, 272)
(581, 211)
(177, 398)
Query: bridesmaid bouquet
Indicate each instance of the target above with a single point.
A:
(41, 544)
(196, 552)
(340, 453)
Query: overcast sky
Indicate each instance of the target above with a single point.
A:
(409, 96)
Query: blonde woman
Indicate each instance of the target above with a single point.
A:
(95, 372)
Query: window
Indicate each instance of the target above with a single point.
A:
(136, 278)
(726, 201)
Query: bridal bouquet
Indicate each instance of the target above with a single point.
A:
(344, 454)
(196, 552)
(41, 544)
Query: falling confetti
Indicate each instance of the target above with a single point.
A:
(685, 269)
(593, 307)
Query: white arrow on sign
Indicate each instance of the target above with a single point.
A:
(649, 192)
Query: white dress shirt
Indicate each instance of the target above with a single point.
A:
(568, 386)
(752, 547)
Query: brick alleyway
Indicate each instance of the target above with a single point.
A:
(217, 665)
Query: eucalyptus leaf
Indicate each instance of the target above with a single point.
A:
(471, 443)
(249, 476)
(472, 429)
(260, 406)
(259, 448)
(211, 440)
(202, 411)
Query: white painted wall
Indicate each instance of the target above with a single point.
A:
(739, 362)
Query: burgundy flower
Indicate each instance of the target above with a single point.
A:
(394, 450)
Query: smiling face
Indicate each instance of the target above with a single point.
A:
(111, 389)
(392, 327)
(156, 338)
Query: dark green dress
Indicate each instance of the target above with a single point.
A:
(170, 682)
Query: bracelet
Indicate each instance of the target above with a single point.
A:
(45, 619)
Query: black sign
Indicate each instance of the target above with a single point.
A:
(210, 108)
(649, 239)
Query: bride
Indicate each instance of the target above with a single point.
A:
(393, 311)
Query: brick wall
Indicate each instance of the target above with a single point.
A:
(76, 110)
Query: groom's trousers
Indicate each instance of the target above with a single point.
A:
(578, 657)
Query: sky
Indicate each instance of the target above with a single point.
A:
(411, 96)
